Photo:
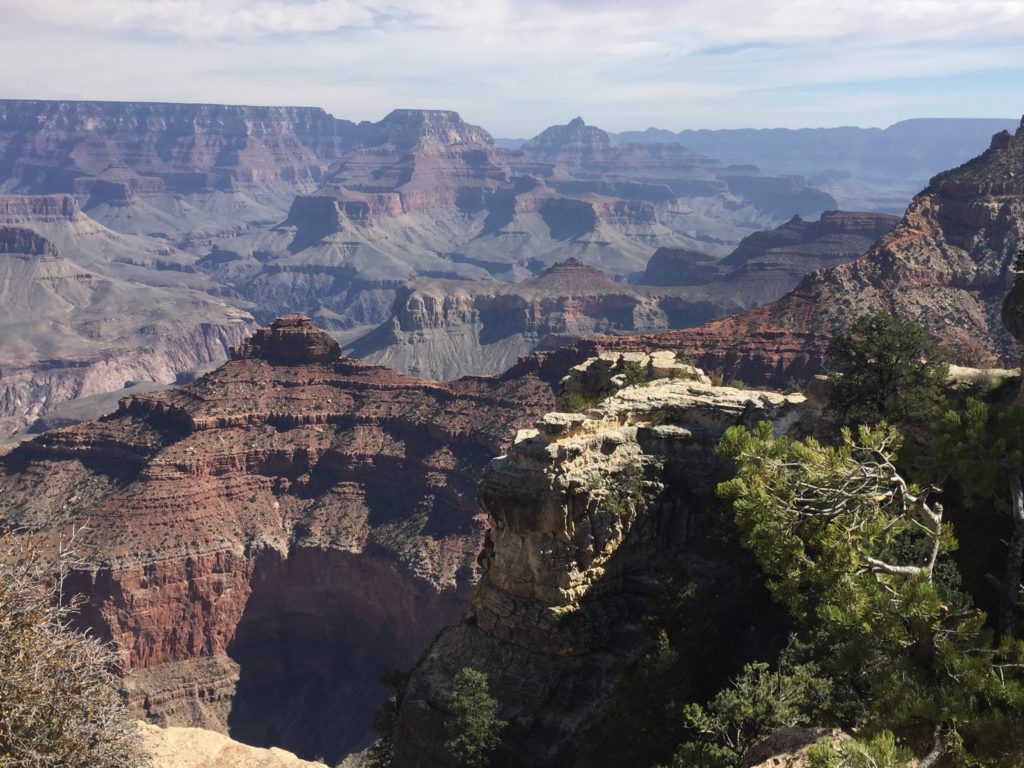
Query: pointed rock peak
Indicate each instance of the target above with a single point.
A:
(574, 135)
(1001, 140)
(290, 340)
(573, 276)
(997, 171)
(409, 127)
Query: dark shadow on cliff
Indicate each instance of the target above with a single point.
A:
(318, 630)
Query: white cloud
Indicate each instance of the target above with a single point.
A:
(516, 66)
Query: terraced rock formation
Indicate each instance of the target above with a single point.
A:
(264, 542)
(70, 329)
(424, 194)
(947, 264)
(447, 328)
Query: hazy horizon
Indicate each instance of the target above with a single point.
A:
(516, 68)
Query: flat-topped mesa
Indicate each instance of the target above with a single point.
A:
(25, 242)
(680, 266)
(290, 340)
(17, 209)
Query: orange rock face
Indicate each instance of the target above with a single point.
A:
(263, 543)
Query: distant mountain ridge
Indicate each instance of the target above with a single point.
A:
(863, 168)
(947, 265)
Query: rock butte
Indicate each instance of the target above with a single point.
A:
(250, 550)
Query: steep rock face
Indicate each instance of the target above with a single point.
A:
(249, 549)
(52, 146)
(780, 256)
(185, 172)
(583, 510)
(681, 266)
(18, 208)
(407, 128)
(431, 159)
(423, 194)
(946, 265)
(835, 236)
(26, 242)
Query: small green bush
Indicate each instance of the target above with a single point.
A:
(634, 374)
(574, 402)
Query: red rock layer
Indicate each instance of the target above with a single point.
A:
(262, 543)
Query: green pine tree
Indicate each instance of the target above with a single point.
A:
(886, 367)
(473, 726)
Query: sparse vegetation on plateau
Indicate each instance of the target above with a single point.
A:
(634, 374)
(574, 402)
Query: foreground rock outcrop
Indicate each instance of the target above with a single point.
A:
(263, 543)
(584, 509)
(198, 748)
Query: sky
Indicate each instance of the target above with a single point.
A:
(516, 67)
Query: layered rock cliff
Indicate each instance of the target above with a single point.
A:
(264, 542)
(583, 510)
(80, 146)
(426, 195)
(444, 329)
